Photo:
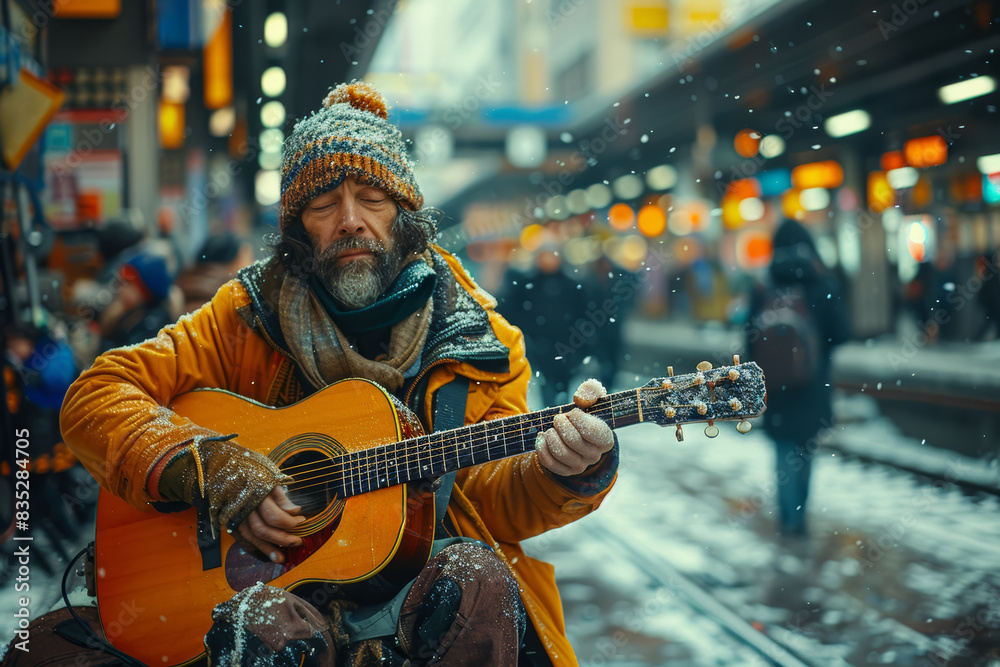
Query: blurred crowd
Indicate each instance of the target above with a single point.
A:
(140, 283)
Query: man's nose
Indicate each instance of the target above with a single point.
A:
(350, 221)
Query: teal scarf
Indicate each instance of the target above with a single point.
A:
(406, 295)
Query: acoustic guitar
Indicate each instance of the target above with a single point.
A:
(358, 458)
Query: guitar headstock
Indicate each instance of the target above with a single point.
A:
(708, 395)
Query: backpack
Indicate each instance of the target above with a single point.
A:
(784, 339)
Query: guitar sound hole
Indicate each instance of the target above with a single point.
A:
(312, 488)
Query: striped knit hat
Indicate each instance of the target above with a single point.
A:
(349, 136)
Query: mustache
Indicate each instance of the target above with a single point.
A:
(332, 251)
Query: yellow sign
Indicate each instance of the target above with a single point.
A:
(25, 109)
(648, 18)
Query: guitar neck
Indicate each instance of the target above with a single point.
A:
(433, 455)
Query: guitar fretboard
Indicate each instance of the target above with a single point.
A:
(433, 455)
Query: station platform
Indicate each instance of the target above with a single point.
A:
(965, 374)
(895, 569)
(944, 395)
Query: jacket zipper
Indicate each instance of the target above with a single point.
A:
(270, 341)
(421, 374)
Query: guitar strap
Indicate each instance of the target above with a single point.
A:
(449, 413)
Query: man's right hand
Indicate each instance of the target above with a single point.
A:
(265, 528)
(242, 491)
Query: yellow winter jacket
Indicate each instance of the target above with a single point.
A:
(115, 421)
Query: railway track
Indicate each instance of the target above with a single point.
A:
(701, 601)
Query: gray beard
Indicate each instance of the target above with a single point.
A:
(360, 282)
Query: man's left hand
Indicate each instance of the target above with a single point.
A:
(577, 440)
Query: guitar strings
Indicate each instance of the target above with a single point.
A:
(623, 398)
(445, 442)
(370, 462)
(521, 417)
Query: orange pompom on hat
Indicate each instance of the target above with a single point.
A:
(350, 136)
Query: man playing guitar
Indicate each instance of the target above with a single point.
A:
(355, 289)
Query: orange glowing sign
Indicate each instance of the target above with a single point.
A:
(652, 220)
(217, 65)
(621, 216)
(743, 189)
(922, 193)
(926, 151)
(86, 9)
(747, 142)
(172, 119)
(791, 205)
(754, 249)
(893, 160)
(827, 174)
(880, 194)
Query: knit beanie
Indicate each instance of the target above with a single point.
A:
(150, 273)
(349, 136)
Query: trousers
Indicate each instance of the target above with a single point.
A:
(794, 468)
(463, 609)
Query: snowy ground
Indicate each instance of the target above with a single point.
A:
(897, 569)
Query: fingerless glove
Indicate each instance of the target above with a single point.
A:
(228, 479)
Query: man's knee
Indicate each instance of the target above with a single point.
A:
(450, 602)
(268, 624)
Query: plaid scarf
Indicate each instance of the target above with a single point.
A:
(325, 355)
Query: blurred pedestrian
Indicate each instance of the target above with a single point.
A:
(796, 318)
(38, 369)
(612, 293)
(545, 304)
(988, 271)
(216, 264)
(146, 299)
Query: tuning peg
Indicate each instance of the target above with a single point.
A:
(711, 430)
(744, 426)
(736, 360)
(679, 433)
(705, 366)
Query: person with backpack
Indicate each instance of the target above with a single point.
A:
(795, 320)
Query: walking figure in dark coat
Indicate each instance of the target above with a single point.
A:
(795, 321)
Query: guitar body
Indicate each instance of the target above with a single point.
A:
(154, 593)
(350, 449)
